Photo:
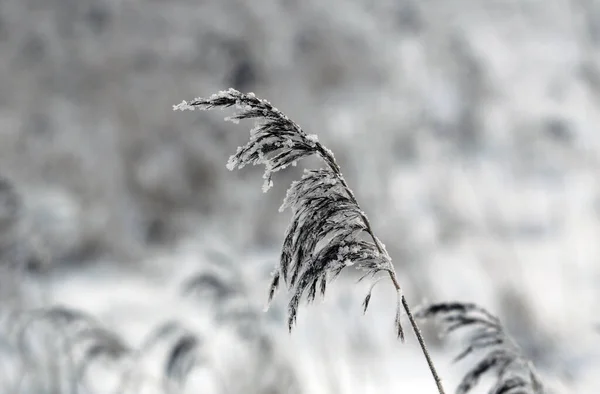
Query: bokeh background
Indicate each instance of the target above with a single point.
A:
(467, 129)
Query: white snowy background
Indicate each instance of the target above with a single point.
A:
(467, 129)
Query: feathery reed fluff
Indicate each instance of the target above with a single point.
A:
(515, 374)
(328, 231)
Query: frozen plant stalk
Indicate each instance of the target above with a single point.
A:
(328, 228)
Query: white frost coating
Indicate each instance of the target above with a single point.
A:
(267, 185)
(183, 106)
(232, 119)
(329, 152)
(289, 196)
(255, 129)
(312, 138)
(330, 180)
(261, 157)
(231, 163)
(267, 177)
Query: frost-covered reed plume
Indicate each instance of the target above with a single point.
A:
(328, 231)
(515, 374)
